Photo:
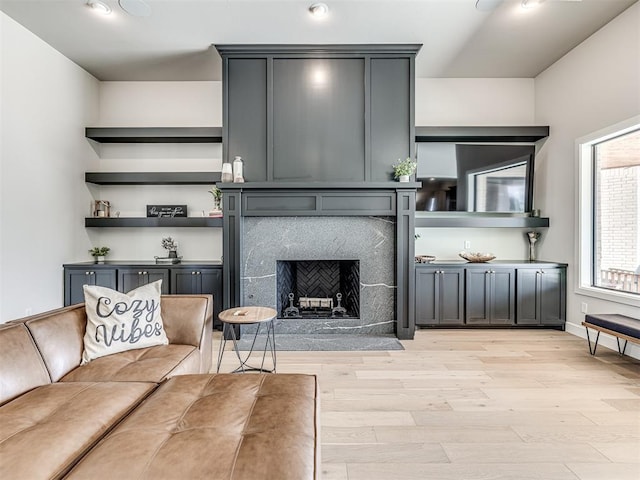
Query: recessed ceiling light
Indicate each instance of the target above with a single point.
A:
(99, 7)
(136, 8)
(487, 5)
(528, 4)
(319, 10)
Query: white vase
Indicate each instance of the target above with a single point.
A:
(99, 259)
(403, 178)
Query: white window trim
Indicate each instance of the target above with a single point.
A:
(584, 219)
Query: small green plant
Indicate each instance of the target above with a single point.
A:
(99, 251)
(216, 192)
(169, 243)
(404, 167)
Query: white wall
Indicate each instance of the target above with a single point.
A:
(475, 102)
(592, 87)
(164, 104)
(46, 101)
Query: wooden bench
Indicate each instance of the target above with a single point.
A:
(620, 326)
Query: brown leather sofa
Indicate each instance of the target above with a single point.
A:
(151, 413)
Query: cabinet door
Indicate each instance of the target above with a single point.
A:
(451, 297)
(426, 286)
(183, 281)
(502, 296)
(74, 279)
(132, 278)
(541, 296)
(187, 281)
(478, 298)
(528, 304)
(552, 296)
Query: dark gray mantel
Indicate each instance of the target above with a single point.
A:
(359, 199)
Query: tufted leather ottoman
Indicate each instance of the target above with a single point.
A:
(220, 426)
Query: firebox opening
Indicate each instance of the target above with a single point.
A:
(318, 288)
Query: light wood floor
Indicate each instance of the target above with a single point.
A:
(477, 405)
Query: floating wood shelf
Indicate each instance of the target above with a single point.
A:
(152, 178)
(153, 222)
(481, 221)
(481, 134)
(155, 134)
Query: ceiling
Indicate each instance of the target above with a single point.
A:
(498, 39)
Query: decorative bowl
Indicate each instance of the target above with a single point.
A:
(425, 258)
(477, 257)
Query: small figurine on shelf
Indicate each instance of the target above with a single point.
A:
(217, 202)
(101, 208)
(98, 253)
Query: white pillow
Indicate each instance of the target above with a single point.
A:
(117, 322)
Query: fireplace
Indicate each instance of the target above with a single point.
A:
(318, 288)
(360, 234)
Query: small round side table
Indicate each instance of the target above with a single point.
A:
(232, 319)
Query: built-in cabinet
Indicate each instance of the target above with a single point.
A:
(541, 295)
(440, 299)
(491, 294)
(184, 278)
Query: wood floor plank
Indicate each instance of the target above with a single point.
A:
(605, 471)
(424, 471)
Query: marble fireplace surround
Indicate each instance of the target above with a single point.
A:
(372, 222)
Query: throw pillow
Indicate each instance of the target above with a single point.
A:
(117, 321)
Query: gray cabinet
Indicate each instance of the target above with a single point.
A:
(198, 281)
(507, 293)
(75, 279)
(541, 294)
(132, 278)
(439, 296)
(183, 278)
(490, 296)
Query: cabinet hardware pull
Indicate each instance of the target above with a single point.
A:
(87, 273)
(193, 273)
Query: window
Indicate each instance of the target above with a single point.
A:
(610, 213)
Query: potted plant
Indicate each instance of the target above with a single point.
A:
(171, 245)
(98, 253)
(217, 202)
(404, 169)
